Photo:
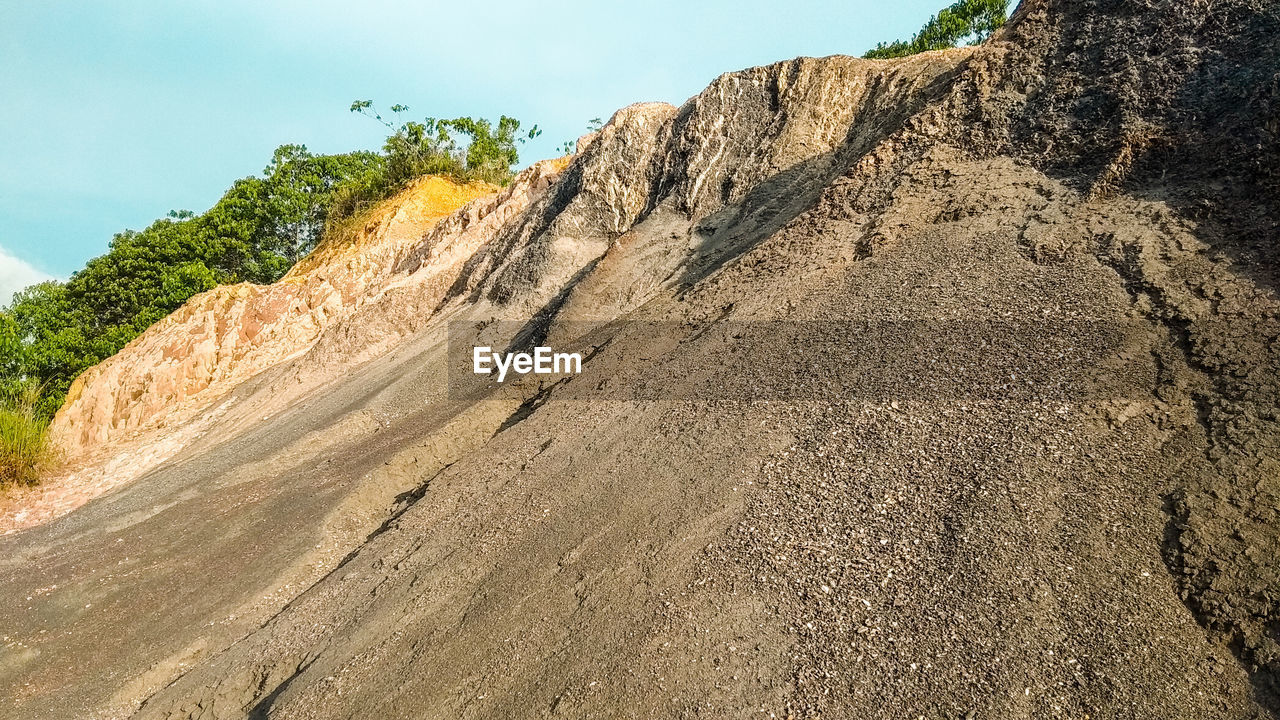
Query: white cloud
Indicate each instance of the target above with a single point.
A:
(16, 274)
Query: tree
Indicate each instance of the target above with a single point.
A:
(234, 230)
(298, 192)
(178, 284)
(414, 148)
(491, 152)
(12, 355)
(56, 349)
(971, 20)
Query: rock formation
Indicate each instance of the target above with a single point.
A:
(223, 337)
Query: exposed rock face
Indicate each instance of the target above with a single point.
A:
(760, 140)
(939, 387)
(225, 336)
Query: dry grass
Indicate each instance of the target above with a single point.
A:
(25, 451)
(432, 197)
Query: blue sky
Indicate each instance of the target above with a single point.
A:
(115, 113)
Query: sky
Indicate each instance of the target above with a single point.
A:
(115, 113)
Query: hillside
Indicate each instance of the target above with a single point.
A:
(942, 386)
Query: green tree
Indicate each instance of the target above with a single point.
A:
(491, 152)
(966, 20)
(298, 193)
(57, 348)
(12, 355)
(178, 284)
(413, 148)
(235, 233)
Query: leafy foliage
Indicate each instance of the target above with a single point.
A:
(465, 149)
(972, 20)
(12, 355)
(432, 146)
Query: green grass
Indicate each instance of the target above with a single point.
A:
(25, 450)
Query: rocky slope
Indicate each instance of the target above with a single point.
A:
(175, 382)
(223, 337)
(938, 387)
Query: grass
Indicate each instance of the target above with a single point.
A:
(25, 450)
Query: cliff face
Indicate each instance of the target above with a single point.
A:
(944, 386)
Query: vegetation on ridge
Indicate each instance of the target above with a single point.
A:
(431, 147)
(966, 20)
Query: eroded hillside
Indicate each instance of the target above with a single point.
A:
(943, 387)
(227, 335)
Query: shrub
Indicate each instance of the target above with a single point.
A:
(971, 20)
(464, 148)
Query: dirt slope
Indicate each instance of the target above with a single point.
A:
(227, 335)
(942, 387)
(186, 376)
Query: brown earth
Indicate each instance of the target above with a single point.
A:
(941, 387)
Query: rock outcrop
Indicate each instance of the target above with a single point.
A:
(221, 338)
